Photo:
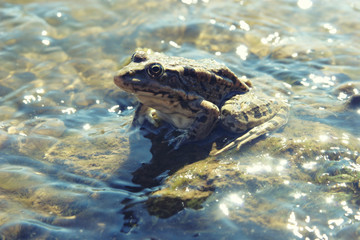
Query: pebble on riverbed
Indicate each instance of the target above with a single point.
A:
(51, 127)
(33, 137)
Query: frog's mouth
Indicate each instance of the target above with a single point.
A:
(119, 81)
(144, 92)
(149, 90)
(132, 84)
(136, 85)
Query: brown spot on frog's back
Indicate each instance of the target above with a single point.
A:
(190, 72)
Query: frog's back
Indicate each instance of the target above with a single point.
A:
(207, 78)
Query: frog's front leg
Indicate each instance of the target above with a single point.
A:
(206, 115)
(144, 113)
(249, 112)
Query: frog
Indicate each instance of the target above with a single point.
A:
(194, 96)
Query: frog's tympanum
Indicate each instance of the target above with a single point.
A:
(195, 95)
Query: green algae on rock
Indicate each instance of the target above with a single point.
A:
(303, 156)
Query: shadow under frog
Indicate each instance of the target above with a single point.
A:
(164, 162)
(165, 159)
(149, 176)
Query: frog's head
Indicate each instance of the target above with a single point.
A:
(146, 73)
(164, 77)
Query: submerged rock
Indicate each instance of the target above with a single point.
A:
(97, 153)
(306, 155)
(51, 127)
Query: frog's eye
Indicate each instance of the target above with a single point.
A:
(155, 70)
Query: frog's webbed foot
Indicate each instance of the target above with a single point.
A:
(247, 137)
(207, 115)
(177, 139)
(276, 122)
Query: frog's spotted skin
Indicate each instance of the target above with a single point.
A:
(260, 115)
(194, 96)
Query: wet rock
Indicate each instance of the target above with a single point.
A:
(305, 149)
(345, 175)
(38, 126)
(35, 145)
(168, 205)
(353, 102)
(51, 127)
(347, 88)
(18, 128)
(27, 186)
(34, 137)
(96, 152)
(55, 201)
(18, 181)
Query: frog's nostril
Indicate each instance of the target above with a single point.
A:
(130, 73)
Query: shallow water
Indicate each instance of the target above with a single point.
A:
(71, 168)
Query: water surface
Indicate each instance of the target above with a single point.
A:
(71, 167)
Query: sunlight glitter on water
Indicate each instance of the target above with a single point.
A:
(330, 28)
(29, 99)
(46, 42)
(114, 109)
(258, 168)
(57, 65)
(300, 229)
(309, 165)
(224, 209)
(304, 4)
(244, 25)
(69, 110)
(87, 126)
(325, 81)
(231, 201)
(324, 138)
(242, 51)
(273, 38)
